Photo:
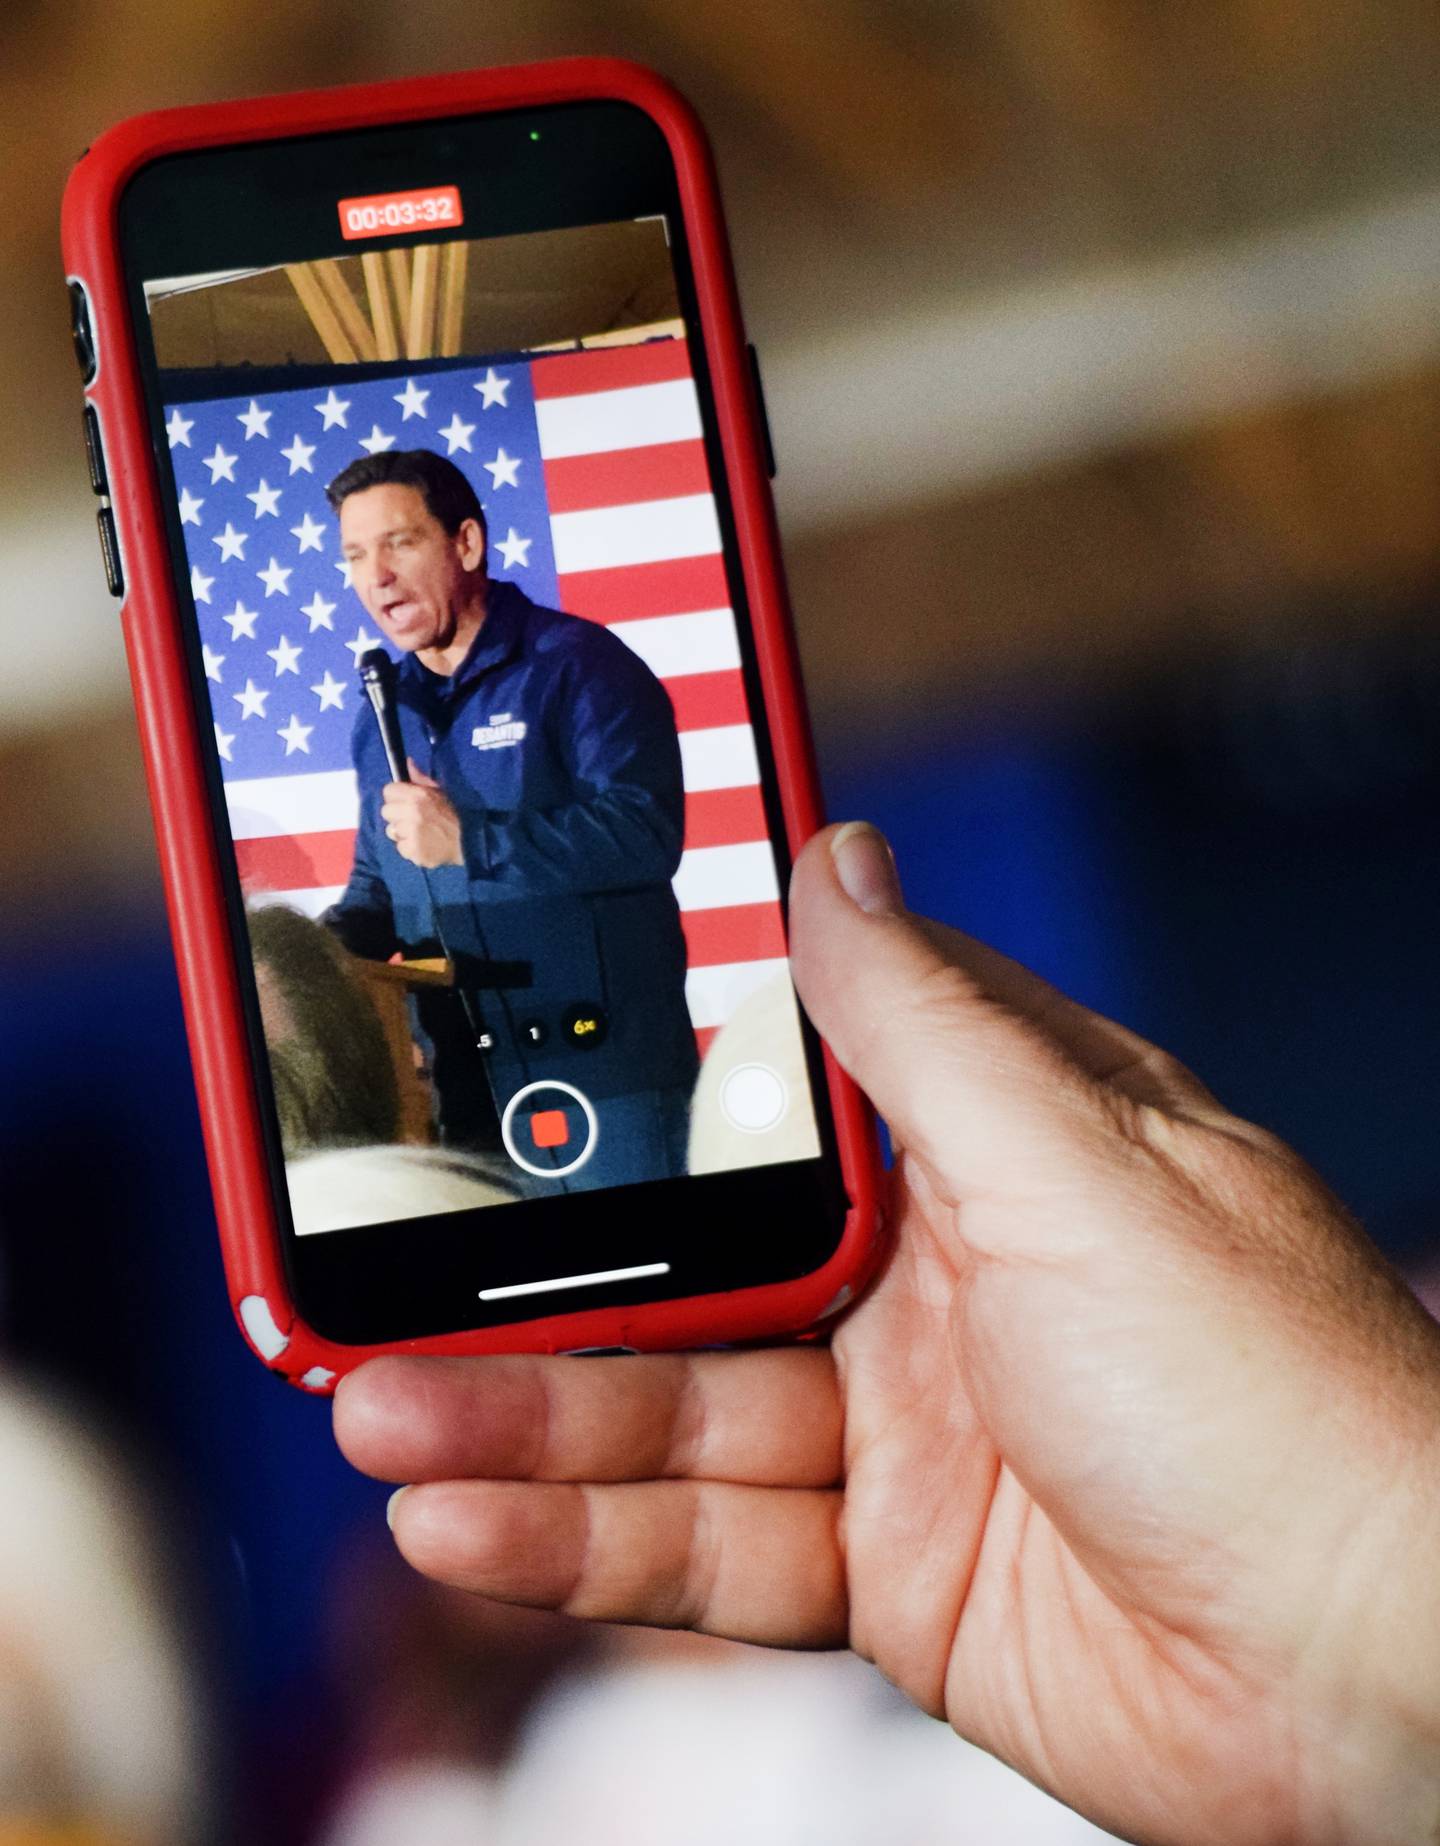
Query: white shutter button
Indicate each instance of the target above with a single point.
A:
(753, 1098)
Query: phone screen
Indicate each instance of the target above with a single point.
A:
(484, 732)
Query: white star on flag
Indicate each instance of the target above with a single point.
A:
(457, 434)
(330, 692)
(300, 455)
(503, 469)
(213, 663)
(515, 550)
(333, 410)
(319, 612)
(285, 655)
(266, 499)
(223, 741)
(178, 429)
(252, 700)
(362, 644)
(344, 569)
(296, 735)
(412, 400)
(256, 420)
(493, 388)
(221, 465)
(376, 441)
(276, 578)
(189, 508)
(308, 532)
(242, 621)
(231, 542)
(200, 584)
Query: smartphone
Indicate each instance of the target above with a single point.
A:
(433, 477)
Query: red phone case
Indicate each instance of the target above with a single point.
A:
(188, 848)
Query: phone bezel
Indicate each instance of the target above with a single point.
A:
(594, 162)
(189, 860)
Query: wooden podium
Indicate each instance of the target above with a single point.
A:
(389, 984)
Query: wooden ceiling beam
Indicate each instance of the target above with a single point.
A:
(326, 322)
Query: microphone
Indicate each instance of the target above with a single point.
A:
(377, 675)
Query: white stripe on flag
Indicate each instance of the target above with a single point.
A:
(712, 994)
(637, 417)
(671, 645)
(312, 902)
(271, 807)
(645, 532)
(723, 757)
(711, 877)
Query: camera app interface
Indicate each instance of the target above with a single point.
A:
(480, 719)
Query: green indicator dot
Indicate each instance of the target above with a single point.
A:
(534, 134)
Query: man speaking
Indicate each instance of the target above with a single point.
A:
(534, 844)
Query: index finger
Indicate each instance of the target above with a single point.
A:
(769, 1418)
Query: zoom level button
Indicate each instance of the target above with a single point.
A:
(585, 1025)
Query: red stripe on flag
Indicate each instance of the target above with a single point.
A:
(627, 592)
(609, 368)
(724, 817)
(623, 477)
(704, 700)
(296, 861)
(736, 932)
(704, 1038)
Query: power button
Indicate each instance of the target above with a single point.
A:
(760, 405)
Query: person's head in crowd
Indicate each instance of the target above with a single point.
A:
(343, 1186)
(334, 1081)
(413, 533)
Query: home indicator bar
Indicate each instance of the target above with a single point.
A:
(591, 1280)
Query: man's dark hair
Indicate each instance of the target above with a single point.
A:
(445, 490)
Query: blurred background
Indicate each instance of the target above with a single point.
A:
(1102, 352)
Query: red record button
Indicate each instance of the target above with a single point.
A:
(548, 1128)
(382, 214)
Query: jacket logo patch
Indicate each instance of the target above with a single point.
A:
(498, 736)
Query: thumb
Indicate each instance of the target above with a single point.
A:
(964, 1054)
(418, 775)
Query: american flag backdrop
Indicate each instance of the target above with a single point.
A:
(592, 473)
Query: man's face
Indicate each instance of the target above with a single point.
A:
(413, 577)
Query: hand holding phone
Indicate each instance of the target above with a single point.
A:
(1125, 1467)
(432, 471)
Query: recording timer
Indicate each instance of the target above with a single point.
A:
(384, 212)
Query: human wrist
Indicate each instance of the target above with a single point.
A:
(1378, 1731)
(1382, 1788)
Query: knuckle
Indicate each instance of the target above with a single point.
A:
(694, 1592)
(688, 1422)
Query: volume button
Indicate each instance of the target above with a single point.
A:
(95, 451)
(110, 551)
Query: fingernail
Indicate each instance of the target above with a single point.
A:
(390, 1506)
(866, 867)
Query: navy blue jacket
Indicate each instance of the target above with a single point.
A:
(556, 745)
